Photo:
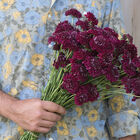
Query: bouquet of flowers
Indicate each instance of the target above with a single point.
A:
(91, 63)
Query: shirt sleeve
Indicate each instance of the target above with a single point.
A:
(123, 118)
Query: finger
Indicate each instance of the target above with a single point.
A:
(52, 107)
(47, 124)
(49, 116)
(43, 130)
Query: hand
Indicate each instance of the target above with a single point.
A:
(36, 115)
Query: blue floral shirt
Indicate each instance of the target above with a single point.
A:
(25, 26)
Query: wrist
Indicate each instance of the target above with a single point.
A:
(6, 103)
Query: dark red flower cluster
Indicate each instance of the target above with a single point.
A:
(56, 47)
(63, 26)
(86, 93)
(93, 66)
(73, 12)
(61, 61)
(80, 54)
(83, 24)
(70, 83)
(91, 18)
(89, 23)
(128, 38)
(83, 38)
(136, 62)
(79, 71)
(95, 52)
(132, 85)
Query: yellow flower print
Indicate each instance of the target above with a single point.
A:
(13, 92)
(7, 69)
(56, 13)
(30, 84)
(20, 130)
(93, 115)
(78, 6)
(6, 4)
(79, 111)
(92, 132)
(23, 36)
(132, 112)
(16, 14)
(100, 23)
(93, 4)
(120, 36)
(111, 130)
(134, 130)
(122, 31)
(111, 15)
(62, 128)
(9, 138)
(8, 49)
(117, 103)
(46, 17)
(37, 59)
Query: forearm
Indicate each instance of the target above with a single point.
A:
(128, 138)
(6, 101)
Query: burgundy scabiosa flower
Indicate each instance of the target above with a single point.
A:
(83, 24)
(63, 26)
(61, 37)
(91, 18)
(127, 64)
(127, 82)
(61, 62)
(79, 71)
(131, 50)
(93, 94)
(73, 12)
(109, 32)
(128, 38)
(106, 59)
(101, 44)
(132, 85)
(52, 39)
(119, 48)
(112, 73)
(129, 68)
(93, 66)
(98, 43)
(56, 47)
(136, 62)
(111, 35)
(70, 83)
(96, 31)
(73, 60)
(80, 54)
(86, 93)
(68, 40)
(136, 86)
(81, 98)
(83, 38)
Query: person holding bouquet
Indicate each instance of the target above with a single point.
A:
(24, 69)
